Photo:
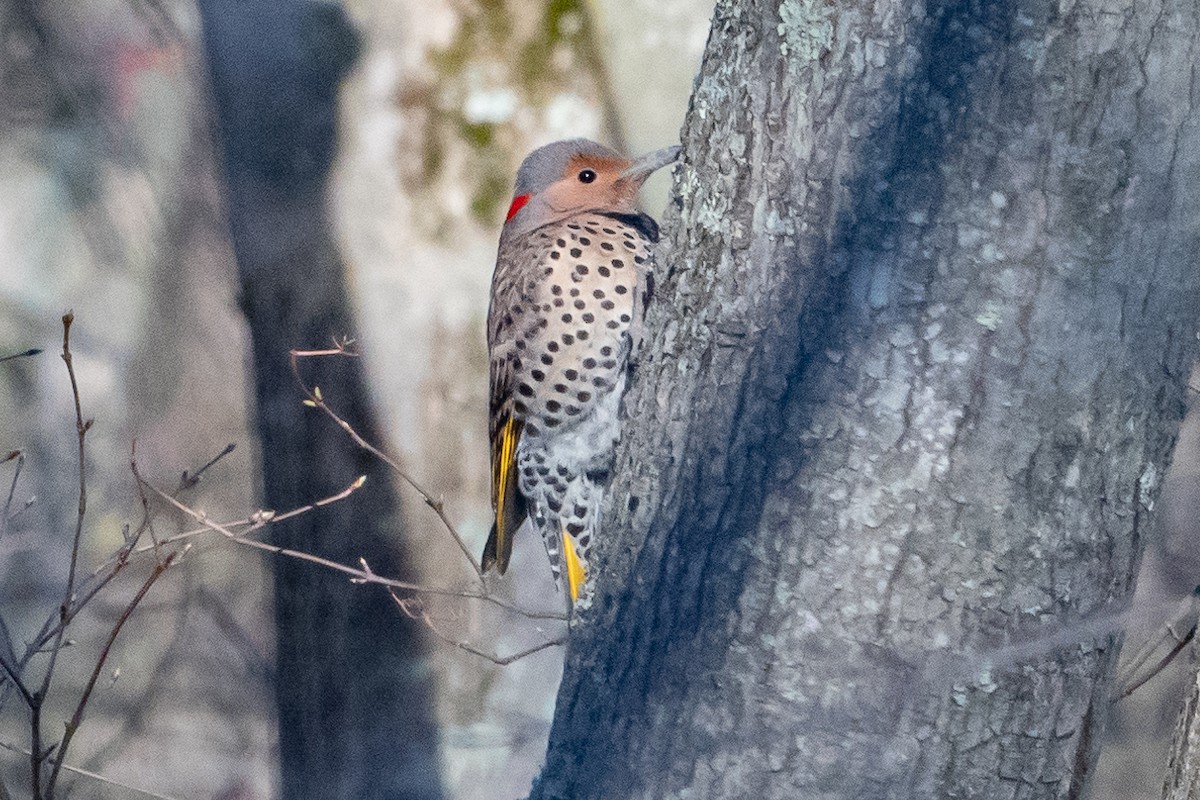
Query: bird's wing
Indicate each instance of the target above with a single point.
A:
(505, 424)
(508, 503)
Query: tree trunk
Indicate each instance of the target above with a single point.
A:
(1183, 772)
(914, 366)
(354, 693)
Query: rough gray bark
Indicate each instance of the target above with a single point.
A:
(915, 366)
(1183, 778)
(354, 692)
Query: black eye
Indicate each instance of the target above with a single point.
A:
(587, 176)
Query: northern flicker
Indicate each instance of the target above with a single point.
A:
(568, 292)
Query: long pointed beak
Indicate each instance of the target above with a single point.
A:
(637, 172)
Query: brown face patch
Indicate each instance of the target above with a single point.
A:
(602, 165)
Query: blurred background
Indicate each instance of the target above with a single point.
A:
(112, 204)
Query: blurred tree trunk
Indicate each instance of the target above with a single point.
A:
(354, 693)
(914, 367)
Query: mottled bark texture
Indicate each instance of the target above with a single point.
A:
(354, 691)
(1183, 779)
(914, 367)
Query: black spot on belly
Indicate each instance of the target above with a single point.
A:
(601, 476)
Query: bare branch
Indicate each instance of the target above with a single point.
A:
(81, 429)
(314, 399)
(89, 774)
(1184, 615)
(33, 351)
(187, 481)
(6, 514)
(16, 680)
(414, 609)
(358, 575)
(77, 717)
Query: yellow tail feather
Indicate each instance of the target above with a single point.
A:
(576, 574)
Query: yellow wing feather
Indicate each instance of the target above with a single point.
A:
(507, 502)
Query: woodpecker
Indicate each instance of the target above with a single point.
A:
(569, 288)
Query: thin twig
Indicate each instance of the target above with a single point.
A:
(81, 429)
(89, 774)
(77, 717)
(1159, 667)
(33, 351)
(1185, 613)
(188, 480)
(16, 680)
(357, 575)
(12, 489)
(421, 615)
(314, 399)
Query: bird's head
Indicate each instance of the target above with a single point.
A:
(564, 178)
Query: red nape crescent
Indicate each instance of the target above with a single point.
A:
(517, 204)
